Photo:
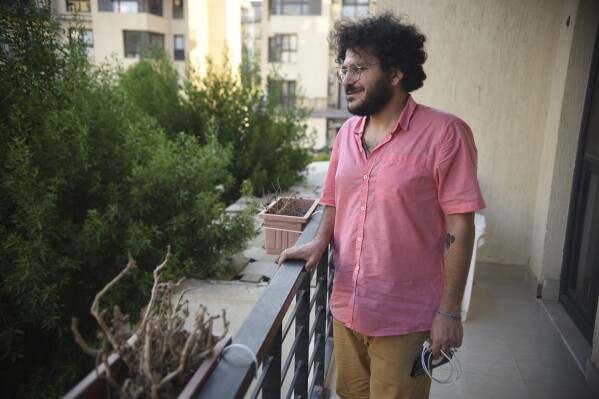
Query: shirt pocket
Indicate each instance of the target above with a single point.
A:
(398, 177)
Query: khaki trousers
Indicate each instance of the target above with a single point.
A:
(378, 367)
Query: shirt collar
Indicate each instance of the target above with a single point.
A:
(403, 122)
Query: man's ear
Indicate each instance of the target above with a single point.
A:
(396, 76)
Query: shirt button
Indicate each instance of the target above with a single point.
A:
(359, 238)
(362, 208)
(365, 177)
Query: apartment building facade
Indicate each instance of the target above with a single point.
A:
(295, 44)
(289, 36)
(189, 30)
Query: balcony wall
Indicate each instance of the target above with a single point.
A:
(517, 73)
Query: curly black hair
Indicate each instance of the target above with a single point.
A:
(395, 43)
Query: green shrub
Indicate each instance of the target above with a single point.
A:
(86, 175)
(153, 85)
(269, 141)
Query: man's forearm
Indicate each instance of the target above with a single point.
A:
(458, 253)
(324, 234)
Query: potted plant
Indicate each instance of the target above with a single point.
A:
(284, 220)
(158, 358)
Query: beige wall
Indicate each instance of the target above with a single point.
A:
(224, 31)
(211, 27)
(565, 135)
(493, 63)
(548, 155)
(198, 32)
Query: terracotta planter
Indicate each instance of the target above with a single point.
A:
(95, 385)
(282, 231)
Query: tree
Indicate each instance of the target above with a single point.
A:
(153, 85)
(86, 176)
(269, 138)
(266, 132)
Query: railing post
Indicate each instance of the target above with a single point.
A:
(329, 345)
(321, 327)
(272, 380)
(331, 276)
(302, 328)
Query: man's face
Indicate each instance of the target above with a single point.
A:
(368, 89)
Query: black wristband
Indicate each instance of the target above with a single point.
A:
(449, 315)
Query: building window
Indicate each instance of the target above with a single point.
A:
(86, 36)
(78, 6)
(355, 8)
(179, 48)
(257, 12)
(177, 9)
(136, 42)
(284, 90)
(154, 7)
(288, 93)
(131, 6)
(295, 7)
(283, 49)
(127, 6)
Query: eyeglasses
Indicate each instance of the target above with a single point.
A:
(354, 71)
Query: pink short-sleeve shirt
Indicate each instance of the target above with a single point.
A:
(390, 227)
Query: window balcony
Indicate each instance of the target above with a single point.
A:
(154, 7)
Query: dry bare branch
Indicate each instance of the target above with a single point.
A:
(163, 352)
(157, 275)
(107, 368)
(81, 341)
(181, 295)
(182, 360)
(147, 353)
(95, 309)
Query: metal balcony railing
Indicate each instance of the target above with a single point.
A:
(264, 331)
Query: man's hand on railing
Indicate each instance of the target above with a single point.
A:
(311, 253)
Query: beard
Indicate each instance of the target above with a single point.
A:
(374, 99)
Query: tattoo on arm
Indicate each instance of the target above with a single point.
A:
(449, 239)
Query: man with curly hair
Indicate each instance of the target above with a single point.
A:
(400, 197)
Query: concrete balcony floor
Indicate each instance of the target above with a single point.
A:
(511, 350)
